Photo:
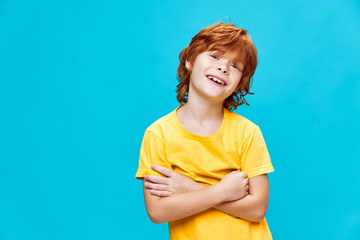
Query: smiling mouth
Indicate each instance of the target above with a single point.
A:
(216, 80)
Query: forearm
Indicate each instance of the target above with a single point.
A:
(165, 209)
(252, 208)
(176, 196)
(248, 208)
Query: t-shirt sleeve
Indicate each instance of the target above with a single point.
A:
(254, 156)
(152, 151)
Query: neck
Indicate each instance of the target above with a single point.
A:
(200, 110)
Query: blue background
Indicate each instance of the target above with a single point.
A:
(81, 80)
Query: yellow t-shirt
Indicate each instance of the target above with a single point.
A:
(237, 144)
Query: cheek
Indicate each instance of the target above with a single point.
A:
(237, 78)
(237, 82)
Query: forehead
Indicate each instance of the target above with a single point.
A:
(233, 56)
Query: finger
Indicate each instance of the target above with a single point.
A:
(246, 180)
(160, 193)
(164, 171)
(156, 179)
(155, 186)
(233, 172)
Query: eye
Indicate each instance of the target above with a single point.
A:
(214, 56)
(234, 66)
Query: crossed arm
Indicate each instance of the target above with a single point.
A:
(176, 196)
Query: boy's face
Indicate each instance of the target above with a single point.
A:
(214, 76)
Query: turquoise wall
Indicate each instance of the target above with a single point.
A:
(80, 81)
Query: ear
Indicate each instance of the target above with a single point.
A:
(188, 65)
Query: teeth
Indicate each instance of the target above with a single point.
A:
(216, 80)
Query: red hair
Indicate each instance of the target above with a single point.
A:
(222, 38)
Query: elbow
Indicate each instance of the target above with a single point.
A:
(259, 215)
(156, 220)
(156, 216)
(259, 211)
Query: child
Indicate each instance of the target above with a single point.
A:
(195, 161)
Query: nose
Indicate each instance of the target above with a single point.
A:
(223, 69)
(223, 65)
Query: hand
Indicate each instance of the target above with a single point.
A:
(234, 186)
(174, 183)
